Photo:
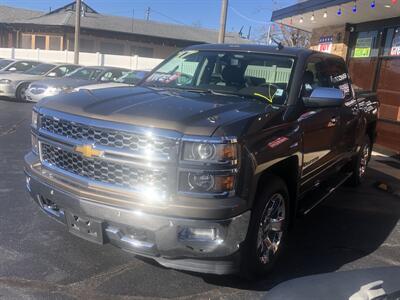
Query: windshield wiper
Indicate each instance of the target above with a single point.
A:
(209, 91)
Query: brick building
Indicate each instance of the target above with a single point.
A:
(367, 34)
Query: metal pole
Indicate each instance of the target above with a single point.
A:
(77, 30)
(269, 35)
(222, 28)
(148, 13)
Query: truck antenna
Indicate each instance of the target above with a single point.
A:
(279, 44)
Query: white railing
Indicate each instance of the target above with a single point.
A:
(272, 74)
(87, 59)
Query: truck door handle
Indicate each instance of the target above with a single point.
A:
(333, 122)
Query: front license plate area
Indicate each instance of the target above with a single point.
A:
(85, 227)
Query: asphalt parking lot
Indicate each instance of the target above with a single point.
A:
(353, 229)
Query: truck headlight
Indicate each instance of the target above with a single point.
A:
(35, 117)
(204, 182)
(210, 152)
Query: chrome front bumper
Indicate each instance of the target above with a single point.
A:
(7, 90)
(33, 97)
(146, 234)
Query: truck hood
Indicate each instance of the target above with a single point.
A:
(185, 112)
(64, 82)
(105, 85)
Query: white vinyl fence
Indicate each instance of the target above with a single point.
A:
(88, 59)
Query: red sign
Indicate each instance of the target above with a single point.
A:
(325, 47)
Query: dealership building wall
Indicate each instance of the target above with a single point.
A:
(369, 41)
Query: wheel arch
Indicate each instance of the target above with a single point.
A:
(20, 84)
(288, 170)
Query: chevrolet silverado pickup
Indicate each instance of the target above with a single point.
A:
(206, 163)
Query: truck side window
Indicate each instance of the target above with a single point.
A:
(328, 72)
(310, 81)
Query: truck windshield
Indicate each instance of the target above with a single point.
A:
(262, 76)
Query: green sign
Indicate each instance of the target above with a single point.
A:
(362, 52)
(363, 47)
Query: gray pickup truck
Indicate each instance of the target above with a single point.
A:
(206, 163)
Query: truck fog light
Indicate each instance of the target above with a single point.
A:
(198, 234)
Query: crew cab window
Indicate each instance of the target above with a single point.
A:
(329, 72)
(263, 77)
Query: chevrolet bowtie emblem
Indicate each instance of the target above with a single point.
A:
(88, 151)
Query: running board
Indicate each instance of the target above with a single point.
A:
(322, 193)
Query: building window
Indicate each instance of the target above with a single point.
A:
(54, 43)
(111, 48)
(392, 44)
(71, 44)
(366, 45)
(26, 41)
(40, 42)
(142, 51)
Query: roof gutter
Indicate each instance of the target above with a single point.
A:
(304, 7)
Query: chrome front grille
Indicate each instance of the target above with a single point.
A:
(118, 174)
(137, 144)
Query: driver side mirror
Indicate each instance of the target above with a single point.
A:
(52, 74)
(324, 97)
(12, 69)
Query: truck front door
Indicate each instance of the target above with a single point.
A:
(321, 126)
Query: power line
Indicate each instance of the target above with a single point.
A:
(245, 17)
(168, 17)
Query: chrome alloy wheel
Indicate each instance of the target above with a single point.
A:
(271, 228)
(364, 160)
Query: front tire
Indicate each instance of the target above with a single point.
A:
(20, 94)
(360, 163)
(268, 229)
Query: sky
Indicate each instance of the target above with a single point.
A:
(203, 13)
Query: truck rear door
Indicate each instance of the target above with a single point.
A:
(349, 112)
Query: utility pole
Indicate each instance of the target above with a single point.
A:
(77, 30)
(222, 28)
(148, 13)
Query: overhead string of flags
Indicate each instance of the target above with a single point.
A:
(339, 12)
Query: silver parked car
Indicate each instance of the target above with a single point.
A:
(80, 77)
(14, 65)
(129, 79)
(14, 85)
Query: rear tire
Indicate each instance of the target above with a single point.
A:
(268, 229)
(360, 163)
(20, 93)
